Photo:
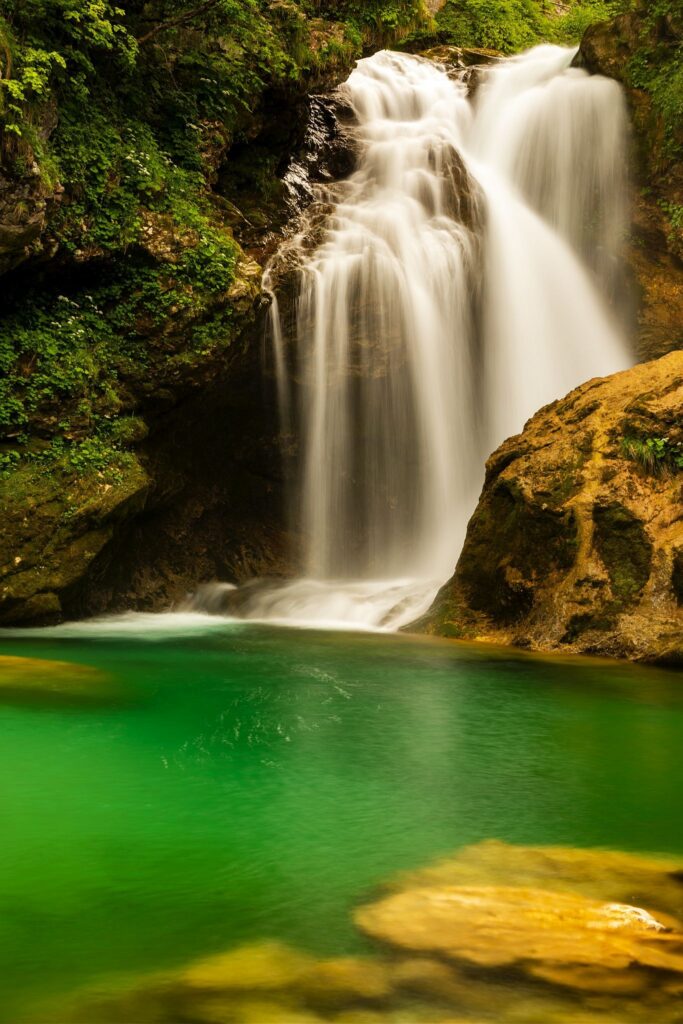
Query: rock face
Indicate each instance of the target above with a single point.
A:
(577, 542)
(655, 253)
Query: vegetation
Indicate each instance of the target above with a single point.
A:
(117, 117)
(655, 455)
(513, 25)
(657, 68)
(118, 114)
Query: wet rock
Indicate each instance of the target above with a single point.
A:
(514, 926)
(575, 542)
(655, 250)
(428, 978)
(266, 965)
(345, 981)
(54, 527)
(249, 1011)
(653, 882)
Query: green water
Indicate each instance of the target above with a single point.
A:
(253, 782)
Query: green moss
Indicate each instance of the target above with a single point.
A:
(511, 543)
(625, 550)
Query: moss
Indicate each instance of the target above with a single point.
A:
(511, 543)
(677, 575)
(625, 550)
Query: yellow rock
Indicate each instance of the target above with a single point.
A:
(62, 680)
(250, 1011)
(264, 965)
(344, 981)
(655, 883)
(432, 978)
(502, 926)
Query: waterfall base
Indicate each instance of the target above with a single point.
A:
(376, 605)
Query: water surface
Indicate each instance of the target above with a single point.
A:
(243, 782)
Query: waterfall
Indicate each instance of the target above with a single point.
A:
(461, 283)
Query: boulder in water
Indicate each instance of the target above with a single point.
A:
(577, 541)
(39, 680)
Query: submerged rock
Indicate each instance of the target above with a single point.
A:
(504, 926)
(495, 932)
(264, 965)
(577, 539)
(31, 679)
(610, 875)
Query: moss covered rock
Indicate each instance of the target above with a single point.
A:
(576, 542)
(642, 49)
(56, 521)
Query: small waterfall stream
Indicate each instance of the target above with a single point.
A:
(462, 282)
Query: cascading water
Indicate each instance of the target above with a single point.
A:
(460, 285)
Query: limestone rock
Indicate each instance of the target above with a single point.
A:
(261, 966)
(344, 981)
(574, 545)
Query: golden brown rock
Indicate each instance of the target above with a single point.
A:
(261, 966)
(431, 978)
(345, 981)
(508, 926)
(609, 875)
(577, 541)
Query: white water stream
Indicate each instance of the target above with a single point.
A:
(462, 283)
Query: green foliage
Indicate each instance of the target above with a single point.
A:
(657, 68)
(506, 25)
(513, 25)
(376, 16)
(571, 26)
(655, 455)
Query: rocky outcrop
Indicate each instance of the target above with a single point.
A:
(576, 544)
(619, 49)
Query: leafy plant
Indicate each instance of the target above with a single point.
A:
(655, 455)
